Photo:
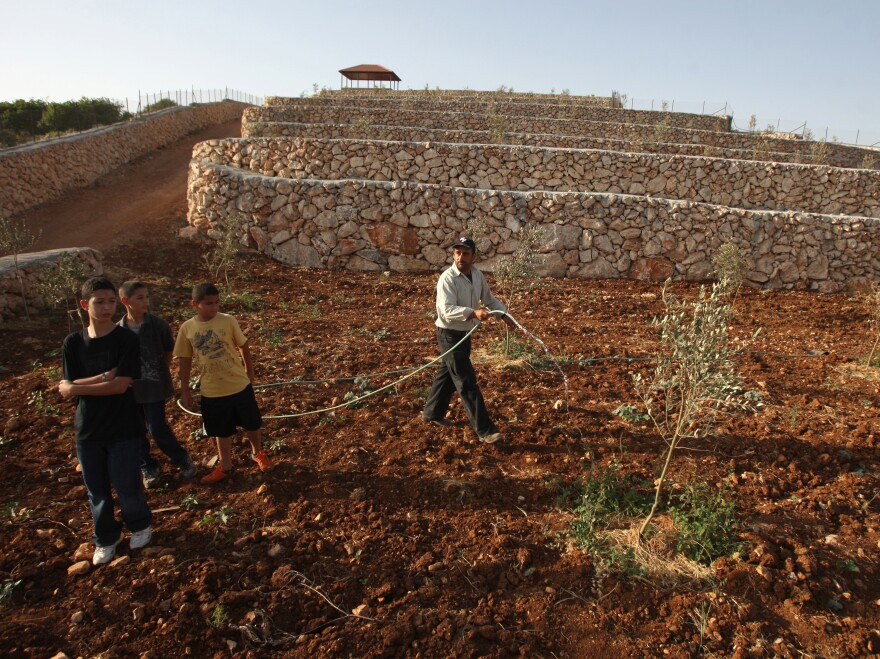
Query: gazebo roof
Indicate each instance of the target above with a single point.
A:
(369, 72)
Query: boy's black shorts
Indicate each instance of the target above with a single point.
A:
(221, 415)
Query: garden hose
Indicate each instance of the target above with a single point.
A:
(353, 401)
(415, 370)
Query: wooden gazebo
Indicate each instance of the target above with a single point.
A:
(371, 73)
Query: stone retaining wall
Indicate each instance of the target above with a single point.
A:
(36, 173)
(522, 110)
(370, 225)
(454, 95)
(419, 134)
(743, 183)
(255, 122)
(33, 268)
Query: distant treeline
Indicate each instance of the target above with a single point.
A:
(24, 121)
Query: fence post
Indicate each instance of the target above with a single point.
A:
(857, 135)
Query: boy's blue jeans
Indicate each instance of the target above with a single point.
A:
(115, 465)
(163, 435)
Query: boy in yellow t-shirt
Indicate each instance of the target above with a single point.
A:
(227, 375)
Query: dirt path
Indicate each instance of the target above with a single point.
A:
(139, 199)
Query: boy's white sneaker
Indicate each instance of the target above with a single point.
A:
(104, 554)
(141, 538)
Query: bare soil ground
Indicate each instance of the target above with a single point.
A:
(377, 535)
(132, 202)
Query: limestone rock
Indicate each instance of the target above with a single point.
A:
(435, 255)
(652, 269)
(407, 264)
(818, 267)
(293, 253)
(550, 265)
(394, 239)
(598, 269)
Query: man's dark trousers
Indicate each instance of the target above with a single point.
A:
(457, 374)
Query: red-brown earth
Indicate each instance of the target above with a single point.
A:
(377, 535)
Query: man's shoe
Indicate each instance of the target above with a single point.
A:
(491, 438)
(151, 477)
(443, 423)
(216, 476)
(104, 554)
(141, 538)
(263, 461)
(188, 469)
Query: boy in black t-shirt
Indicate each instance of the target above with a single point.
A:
(100, 363)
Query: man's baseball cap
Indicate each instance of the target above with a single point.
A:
(464, 241)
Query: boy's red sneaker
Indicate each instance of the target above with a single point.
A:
(216, 476)
(263, 461)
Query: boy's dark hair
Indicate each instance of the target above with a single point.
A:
(93, 284)
(201, 291)
(129, 287)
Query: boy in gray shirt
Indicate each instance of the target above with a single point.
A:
(154, 386)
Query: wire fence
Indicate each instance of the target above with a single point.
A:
(802, 127)
(189, 96)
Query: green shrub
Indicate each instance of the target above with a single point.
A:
(604, 498)
(60, 286)
(731, 268)
(16, 238)
(512, 272)
(601, 501)
(819, 153)
(708, 527)
(21, 120)
(761, 150)
(219, 618)
(161, 104)
(227, 249)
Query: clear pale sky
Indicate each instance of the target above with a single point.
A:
(786, 61)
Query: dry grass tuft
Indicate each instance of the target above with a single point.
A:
(857, 371)
(662, 563)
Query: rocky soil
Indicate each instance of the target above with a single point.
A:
(379, 536)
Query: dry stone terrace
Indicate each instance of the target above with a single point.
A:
(340, 193)
(498, 111)
(744, 184)
(836, 157)
(453, 95)
(270, 121)
(522, 109)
